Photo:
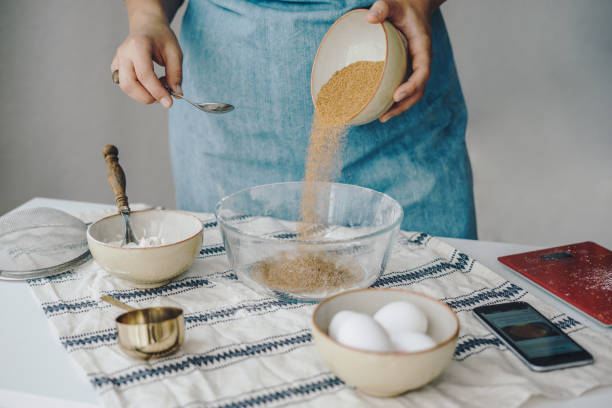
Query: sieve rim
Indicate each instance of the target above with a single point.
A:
(12, 275)
(60, 220)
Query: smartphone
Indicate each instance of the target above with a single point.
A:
(532, 337)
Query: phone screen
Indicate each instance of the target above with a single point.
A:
(532, 336)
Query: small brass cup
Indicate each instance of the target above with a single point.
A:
(150, 333)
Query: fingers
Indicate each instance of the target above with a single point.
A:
(400, 107)
(415, 85)
(415, 26)
(411, 91)
(129, 83)
(134, 60)
(416, 30)
(173, 60)
(420, 51)
(143, 66)
(378, 12)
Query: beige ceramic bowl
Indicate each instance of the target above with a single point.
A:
(350, 39)
(386, 374)
(153, 266)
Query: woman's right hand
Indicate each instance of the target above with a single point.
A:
(150, 39)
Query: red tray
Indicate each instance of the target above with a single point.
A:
(579, 274)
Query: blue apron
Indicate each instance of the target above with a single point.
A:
(258, 56)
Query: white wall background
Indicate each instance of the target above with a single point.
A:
(536, 76)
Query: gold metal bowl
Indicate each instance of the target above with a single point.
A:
(151, 333)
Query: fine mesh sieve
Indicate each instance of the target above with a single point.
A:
(40, 242)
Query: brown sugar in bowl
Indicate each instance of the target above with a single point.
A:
(351, 39)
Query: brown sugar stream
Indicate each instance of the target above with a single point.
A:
(339, 100)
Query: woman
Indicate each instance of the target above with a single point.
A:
(258, 55)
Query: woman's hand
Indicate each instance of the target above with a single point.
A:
(412, 18)
(150, 39)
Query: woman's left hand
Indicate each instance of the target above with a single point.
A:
(412, 18)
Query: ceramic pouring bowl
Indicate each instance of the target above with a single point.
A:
(350, 39)
(148, 267)
(386, 374)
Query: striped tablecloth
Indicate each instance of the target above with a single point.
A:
(246, 350)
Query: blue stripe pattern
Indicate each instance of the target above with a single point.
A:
(285, 235)
(98, 339)
(51, 279)
(505, 291)
(85, 304)
(474, 345)
(212, 251)
(298, 390)
(419, 239)
(234, 354)
(68, 306)
(187, 283)
(425, 272)
(265, 305)
(567, 323)
(209, 224)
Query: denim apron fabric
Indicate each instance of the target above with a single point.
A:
(258, 56)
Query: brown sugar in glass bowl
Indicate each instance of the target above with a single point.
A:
(261, 225)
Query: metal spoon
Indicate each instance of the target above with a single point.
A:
(149, 333)
(208, 107)
(116, 180)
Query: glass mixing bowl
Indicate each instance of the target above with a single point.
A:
(273, 252)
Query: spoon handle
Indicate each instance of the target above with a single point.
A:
(116, 177)
(179, 96)
(115, 302)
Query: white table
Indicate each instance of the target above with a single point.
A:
(35, 370)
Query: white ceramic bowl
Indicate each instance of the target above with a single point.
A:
(386, 374)
(350, 39)
(152, 266)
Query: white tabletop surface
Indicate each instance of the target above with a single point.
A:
(36, 371)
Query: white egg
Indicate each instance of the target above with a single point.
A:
(338, 320)
(363, 332)
(401, 316)
(411, 341)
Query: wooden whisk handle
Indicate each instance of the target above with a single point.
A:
(116, 177)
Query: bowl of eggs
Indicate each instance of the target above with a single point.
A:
(385, 342)
(351, 39)
(168, 243)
